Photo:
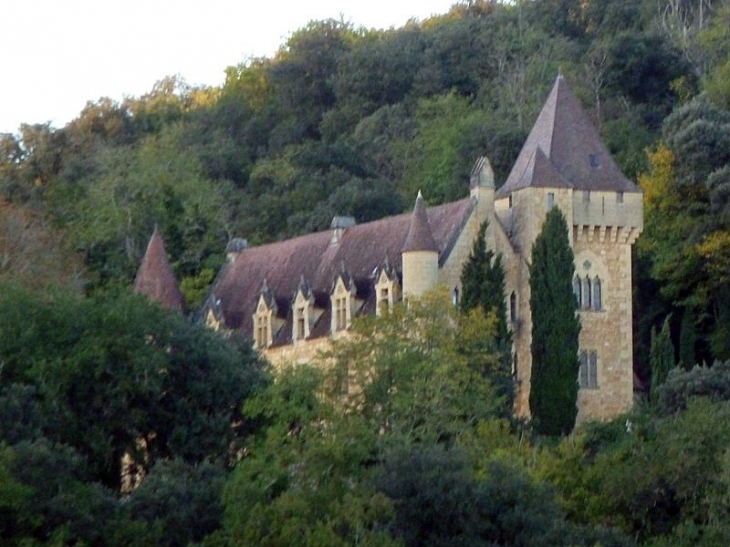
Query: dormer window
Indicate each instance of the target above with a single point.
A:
(300, 323)
(302, 315)
(387, 292)
(343, 303)
(262, 325)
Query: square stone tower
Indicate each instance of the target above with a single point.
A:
(565, 164)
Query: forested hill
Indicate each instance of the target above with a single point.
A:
(349, 121)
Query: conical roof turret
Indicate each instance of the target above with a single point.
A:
(419, 236)
(155, 278)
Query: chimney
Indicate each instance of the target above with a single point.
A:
(234, 248)
(339, 225)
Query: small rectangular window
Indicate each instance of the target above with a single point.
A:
(586, 196)
(550, 200)
(588, 371)
(619, 197)
(510, 201)
(593, 369)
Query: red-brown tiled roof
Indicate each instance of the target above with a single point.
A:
(155, 278)
(360, 250)
(571, 145)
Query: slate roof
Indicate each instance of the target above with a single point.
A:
(419, 236)
(360, 251)
(155, 278)
(563, 149)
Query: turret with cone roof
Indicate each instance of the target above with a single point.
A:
(420, 254)
(155, 278)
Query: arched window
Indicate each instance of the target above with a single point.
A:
(577, 292)
(587, 294)
(597, 294)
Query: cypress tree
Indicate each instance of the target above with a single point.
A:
(687, 340)
(555, 329)
(482, 286)
(661, 356)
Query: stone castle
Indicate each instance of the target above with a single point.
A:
(292, 297)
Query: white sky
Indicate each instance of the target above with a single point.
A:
(59, 54)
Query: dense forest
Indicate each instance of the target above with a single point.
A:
(349, 121)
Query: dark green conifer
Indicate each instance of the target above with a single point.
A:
(482, 284)
(687, 340)
(555, 329)
(661, 356)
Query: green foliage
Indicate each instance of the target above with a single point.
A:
(55, 496)
(661, 356)
(195, 288)
(482, 285)
(686, 229)
(687, 340)
(135, 188)
(178, 503)
(680, 386)
(301, 483)
(417, 362)
(111, 371)
(671, 475)
(555, 328)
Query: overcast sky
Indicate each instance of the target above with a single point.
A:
(58, 54)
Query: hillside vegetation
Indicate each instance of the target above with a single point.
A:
(350, 121)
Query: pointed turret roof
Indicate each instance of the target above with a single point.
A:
(572, 147)
(419, 236)
(155, 278)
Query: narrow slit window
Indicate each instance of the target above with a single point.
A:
(593, 369)
(597, 294)
(588, 371)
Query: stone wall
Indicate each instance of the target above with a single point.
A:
(608, 331)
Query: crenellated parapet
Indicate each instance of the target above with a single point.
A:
(601, 216)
